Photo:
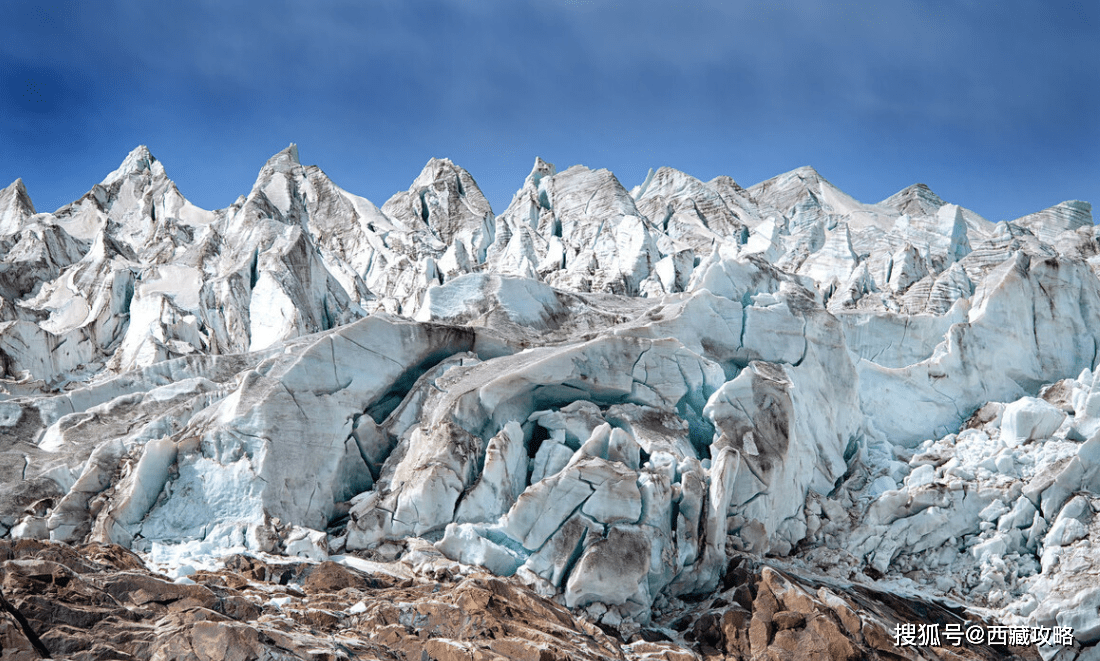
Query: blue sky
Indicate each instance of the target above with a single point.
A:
(996, 106)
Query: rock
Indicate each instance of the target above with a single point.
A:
(218, 640)
(788, 620)
(14, 641)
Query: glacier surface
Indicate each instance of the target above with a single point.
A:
(602, 392)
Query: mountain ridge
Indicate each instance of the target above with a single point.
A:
(603, 395)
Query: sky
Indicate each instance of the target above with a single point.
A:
(995, 106)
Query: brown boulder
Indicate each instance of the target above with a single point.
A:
(220, 641)
(828, 632)
(14, 645)
(333, 577)
(788, 620)
(140, 589)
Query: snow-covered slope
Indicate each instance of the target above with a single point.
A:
(600, 392)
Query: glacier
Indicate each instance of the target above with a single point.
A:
(602, 394)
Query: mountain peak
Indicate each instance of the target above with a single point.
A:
(138, 160)
(285, 160)
(803, 185)
(544, 167)
(915, 200)
(796, 177)
(1079, 205)
(453, 177)
(541, 169)
(443, 198)
(15, 206)
(18, 189)
(668, 181)
(434, 170)
(727, 181)
(1064, 216)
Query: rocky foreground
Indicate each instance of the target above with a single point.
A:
(101, 602)
(690, 420)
